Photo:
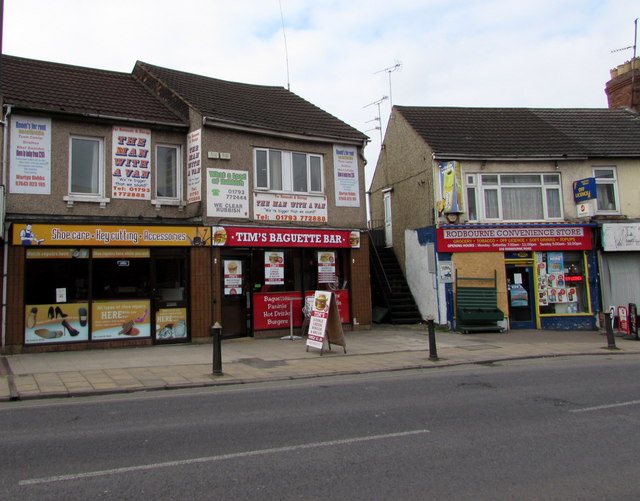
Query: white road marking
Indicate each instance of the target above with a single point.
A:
(608, 406)
(222, 457)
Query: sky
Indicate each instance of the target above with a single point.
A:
(352, 58)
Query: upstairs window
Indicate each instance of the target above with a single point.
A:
(288, 172)
(86, 177)
(168, 172)
(607, 190)
(514, 197)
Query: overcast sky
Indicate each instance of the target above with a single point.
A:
(489, 53)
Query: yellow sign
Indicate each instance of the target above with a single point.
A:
(109, 235)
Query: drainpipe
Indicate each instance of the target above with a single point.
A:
(5, 264)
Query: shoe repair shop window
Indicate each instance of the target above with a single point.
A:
(121, 274)
(53, 273)
(562, 283)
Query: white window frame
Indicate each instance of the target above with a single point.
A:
(99, 195)
(471, 195)
(474, 187)
(169, 200)
(613, 181)
(287, 171)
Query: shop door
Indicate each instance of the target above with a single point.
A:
(521, 296)
(236, 296)
(170, 301)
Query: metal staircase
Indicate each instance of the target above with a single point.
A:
(392, 299)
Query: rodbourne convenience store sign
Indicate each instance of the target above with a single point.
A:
(513, 239)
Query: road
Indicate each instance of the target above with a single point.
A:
(562, 428)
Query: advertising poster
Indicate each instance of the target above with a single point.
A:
(171, 323)
(326, 267)
(318, 321)
(450, 187)
(232, 277)
(131, 168)
(56, 323)
(120, 320)
(227, 193)
(345, 176)
(274, 268)
(30, 155)
(341, 301)
(555, 262)
(274, 311)
(299, 208)
(194, 166)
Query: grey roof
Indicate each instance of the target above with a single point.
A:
(526, 132)
(62, 88)
(269, 108)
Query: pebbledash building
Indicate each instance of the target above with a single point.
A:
(146, 207)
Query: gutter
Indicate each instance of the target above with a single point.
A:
(102, 117)
(228, 124)
(512, 158)
(5, 259)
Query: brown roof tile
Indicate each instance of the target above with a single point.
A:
(54, 87)
(526, 132)
(264, 107)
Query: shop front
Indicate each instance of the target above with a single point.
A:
(267, 274)
(546, 273)
(86, 284)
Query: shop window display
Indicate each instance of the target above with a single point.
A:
(562, 283)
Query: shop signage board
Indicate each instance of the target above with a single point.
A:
(107, 235)
(586, 209)
(296, 208)
(341, 299)
(325, 323)
(131, 163)
(623, 319)
(450, 188)
(237, 236)
(585, 189)
(56, 323)
(621, 237)
(30, 155)
(345, 176)
(513, 239)
(194, 166)
(227, 193)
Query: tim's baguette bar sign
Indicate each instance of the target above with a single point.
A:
(231, 236)
(513, 239)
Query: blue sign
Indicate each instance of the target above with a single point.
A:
(584, 189)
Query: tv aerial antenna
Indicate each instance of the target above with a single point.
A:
(377, 119)
(635, 41)
(389, 70)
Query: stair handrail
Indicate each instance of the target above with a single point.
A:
(379, 266)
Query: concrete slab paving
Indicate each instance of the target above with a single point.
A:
(383, 348)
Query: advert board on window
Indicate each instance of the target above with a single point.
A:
(325, 323)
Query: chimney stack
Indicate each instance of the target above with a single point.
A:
(623, 90)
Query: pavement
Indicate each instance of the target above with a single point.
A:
(244, 360)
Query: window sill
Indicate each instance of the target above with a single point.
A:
(158, 203)
(71, 199)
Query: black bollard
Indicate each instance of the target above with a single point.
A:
(216, 334)
(433, 351)
(611, 340)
